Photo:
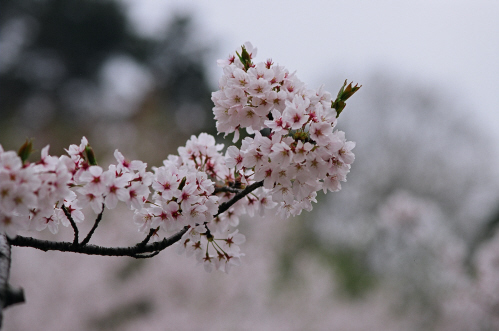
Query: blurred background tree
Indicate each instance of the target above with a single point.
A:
(421, 197)
(77, 67)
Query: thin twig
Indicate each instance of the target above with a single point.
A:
(226, 205)
(73, 224)
(146, 240)
(96, 224)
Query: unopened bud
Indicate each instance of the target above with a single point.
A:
(25, 150)
(89, 152)
(245, 58)
(343, 95)
(182, 183)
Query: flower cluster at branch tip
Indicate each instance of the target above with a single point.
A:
(301, 153)
(291, 152)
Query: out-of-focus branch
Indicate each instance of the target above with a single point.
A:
(8, 294)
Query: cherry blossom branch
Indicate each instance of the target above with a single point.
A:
(132, 251)
(300, 154)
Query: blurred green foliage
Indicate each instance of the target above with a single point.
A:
(55, 55)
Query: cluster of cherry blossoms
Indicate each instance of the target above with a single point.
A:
(53, 191)
(31, 195)
(301, 153)
(290, 153)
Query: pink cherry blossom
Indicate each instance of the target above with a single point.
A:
(320, 132)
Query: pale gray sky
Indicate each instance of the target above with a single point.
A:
(452, 45)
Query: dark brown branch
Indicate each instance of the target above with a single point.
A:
(96, 224)
(63, 246)
(146, 256)
(226, 205)
(226, 189)
(146, 240)
(73, 224)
